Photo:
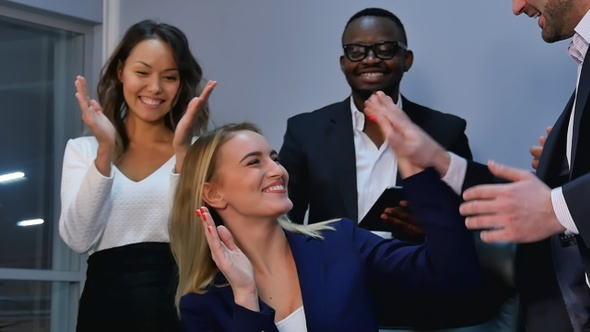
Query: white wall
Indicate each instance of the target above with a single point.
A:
(275, 59)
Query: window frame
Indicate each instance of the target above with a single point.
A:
(67, 273)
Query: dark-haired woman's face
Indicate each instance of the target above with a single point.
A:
(150, 80)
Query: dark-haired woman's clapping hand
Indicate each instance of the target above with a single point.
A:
(99, 125)
(183, 134)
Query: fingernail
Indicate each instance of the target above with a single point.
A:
(198, 213)
(371, 117)
(209, 229)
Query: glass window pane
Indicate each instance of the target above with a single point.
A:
(25, 306)
(36, 61)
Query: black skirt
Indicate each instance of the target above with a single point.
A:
(130, 288)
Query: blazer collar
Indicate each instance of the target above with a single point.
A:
(410, 109)
(553, 159)
(340, 149)
(309, 260)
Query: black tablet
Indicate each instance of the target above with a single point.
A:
(390, 197)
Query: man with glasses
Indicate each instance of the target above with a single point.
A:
(333, 153)
(339, 163)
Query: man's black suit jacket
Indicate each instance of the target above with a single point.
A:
(541, 300)
(318, 152)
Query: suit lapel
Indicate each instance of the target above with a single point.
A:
(436, 130)
(553, 161)
(309, 260)
(340, 149)
(410, 109)
(582, 98)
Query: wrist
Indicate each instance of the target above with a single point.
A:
(441, 163)
(104, 158)
(179, 156)
(247, 299)
(407, 169)
(107, 149)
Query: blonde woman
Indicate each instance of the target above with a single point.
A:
(244, 266)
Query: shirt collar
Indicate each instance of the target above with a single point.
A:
(579, 44)
(358, 117)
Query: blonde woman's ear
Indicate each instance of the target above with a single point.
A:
(213, 197)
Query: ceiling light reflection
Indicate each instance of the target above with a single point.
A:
(11, 176)
(30, 222)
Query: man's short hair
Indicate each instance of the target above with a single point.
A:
(378, 12)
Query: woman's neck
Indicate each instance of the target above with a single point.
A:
(264, 243)
(142, 132)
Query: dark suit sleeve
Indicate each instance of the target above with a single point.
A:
(446, 261)
(460, 146)
(195, 316)
(245, 320)
(477, 174)
(576, 194)
(294, 160)
(200, 313)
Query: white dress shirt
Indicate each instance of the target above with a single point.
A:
(376, 167)
(577, 50)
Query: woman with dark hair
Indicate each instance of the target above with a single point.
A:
(117, 184)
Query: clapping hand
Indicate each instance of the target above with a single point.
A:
(92, 115)
(100, 126)
(183, 134)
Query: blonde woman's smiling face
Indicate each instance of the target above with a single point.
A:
(249, 177)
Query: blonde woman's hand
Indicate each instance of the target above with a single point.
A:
(411, 144)
(231, 261)
(183, 134)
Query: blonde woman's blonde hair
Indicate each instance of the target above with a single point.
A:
(196, 269)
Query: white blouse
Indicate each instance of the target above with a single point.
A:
(101, 212)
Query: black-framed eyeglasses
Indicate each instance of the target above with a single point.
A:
(384, 51)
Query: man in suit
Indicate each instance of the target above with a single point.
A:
(547, 214)
(339, 163)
